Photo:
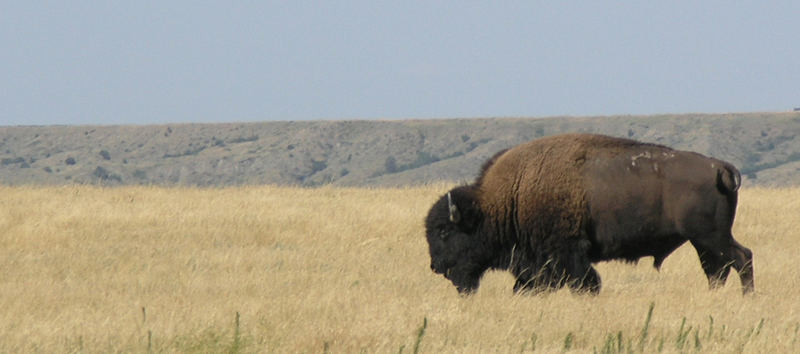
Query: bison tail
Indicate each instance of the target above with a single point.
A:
(728, 179)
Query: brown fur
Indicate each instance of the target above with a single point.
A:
(548, 208)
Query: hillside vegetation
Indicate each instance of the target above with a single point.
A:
(345, 270)
(365, 153)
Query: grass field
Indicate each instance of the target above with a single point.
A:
(269, 269)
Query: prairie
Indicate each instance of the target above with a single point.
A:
(281, 269)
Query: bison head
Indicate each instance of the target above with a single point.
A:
(457, 250)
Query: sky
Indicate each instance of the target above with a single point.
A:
(157, 62)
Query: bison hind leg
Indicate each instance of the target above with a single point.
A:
(719, 254)
(743, 263)
(716, 262)
(714, 265)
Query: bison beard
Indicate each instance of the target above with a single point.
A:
(546, 210)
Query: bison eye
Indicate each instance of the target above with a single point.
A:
(442, 234)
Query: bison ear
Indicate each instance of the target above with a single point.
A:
(455, 216)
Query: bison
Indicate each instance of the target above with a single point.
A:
(548, 209)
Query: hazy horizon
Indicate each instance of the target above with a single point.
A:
(83, 63)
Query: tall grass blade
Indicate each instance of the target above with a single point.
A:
(710, 326)
(568, 341)
(236, 347)
(420, 334)
(646, 328)
(680, 341)
(697, 344)
(760, 326)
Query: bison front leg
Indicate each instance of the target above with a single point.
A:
(546, 277)
(581, 276)
(528, 286)
(578, 274)
(589, 282)
(529, 282)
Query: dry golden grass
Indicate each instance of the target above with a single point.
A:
(269, 269)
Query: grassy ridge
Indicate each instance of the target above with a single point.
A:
(764, 146)
(254, 269)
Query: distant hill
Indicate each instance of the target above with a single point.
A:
(765, 147)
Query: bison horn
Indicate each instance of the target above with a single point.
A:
(455, 216)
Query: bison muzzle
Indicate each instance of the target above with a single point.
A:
(548, 209)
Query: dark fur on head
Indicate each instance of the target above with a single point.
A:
(456, 248)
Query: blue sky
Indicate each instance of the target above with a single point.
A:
(153, 62)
